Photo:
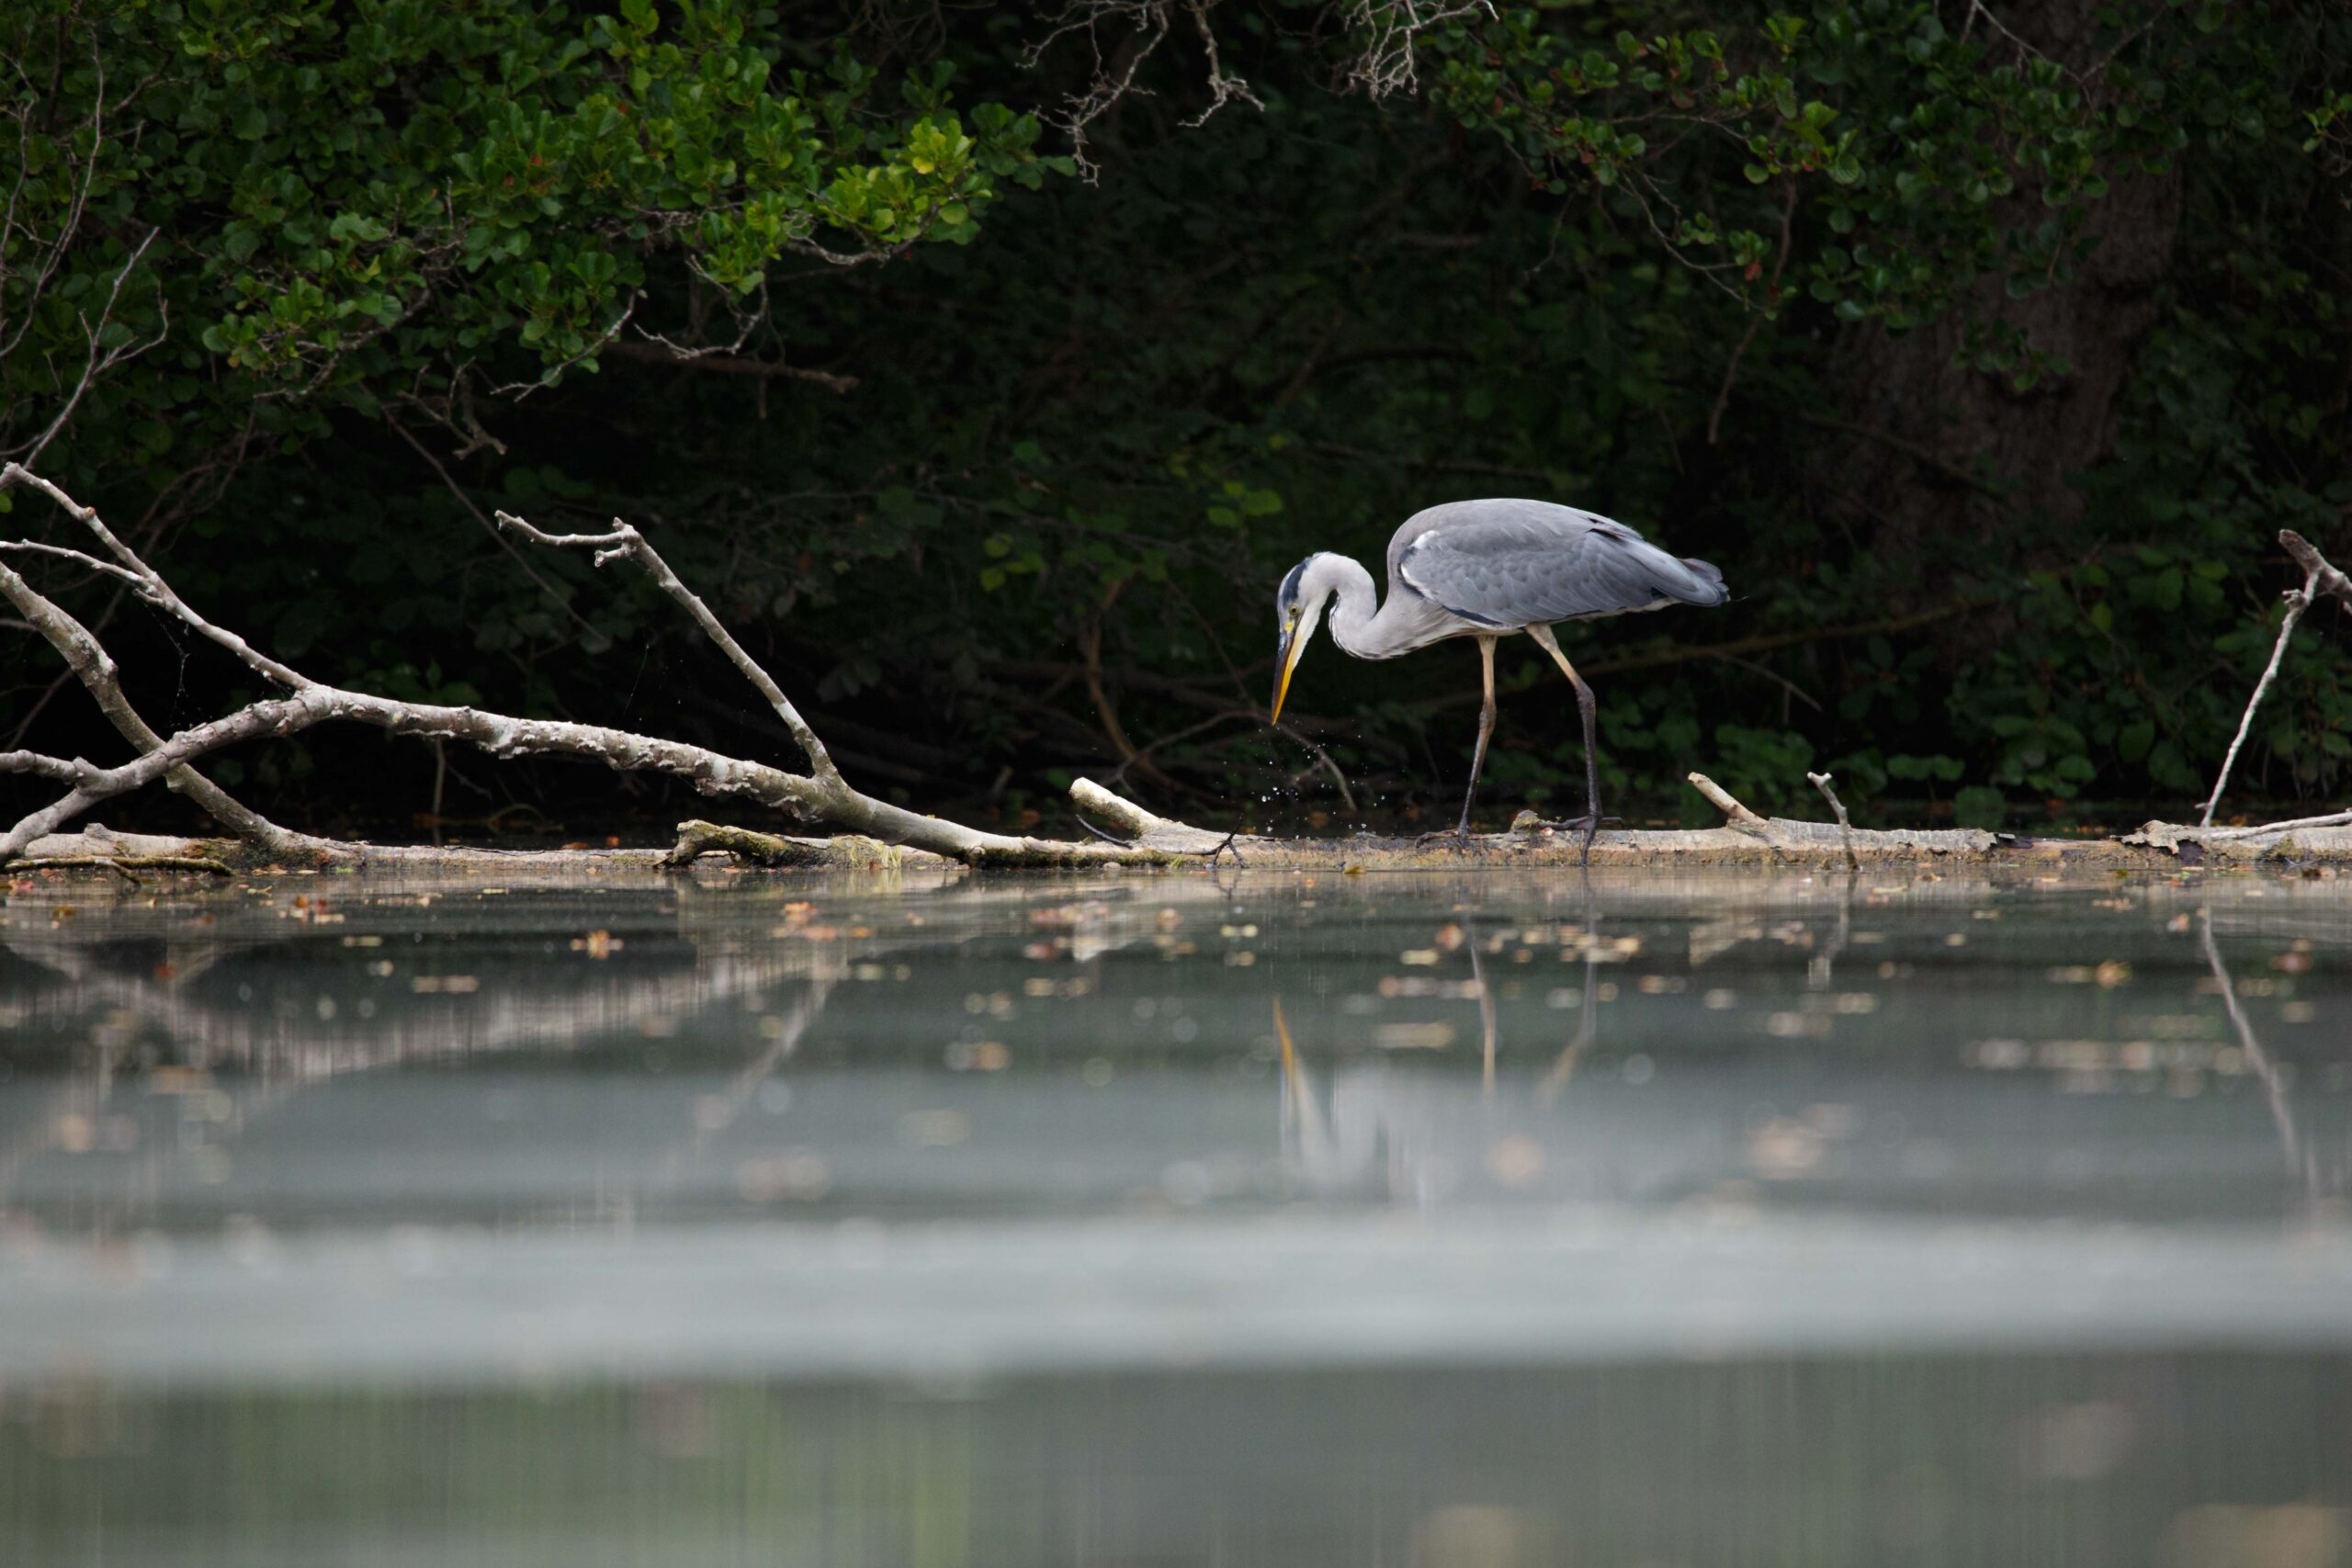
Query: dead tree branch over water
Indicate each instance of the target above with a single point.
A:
(2321, 580)
(858, 828)
(820, 797)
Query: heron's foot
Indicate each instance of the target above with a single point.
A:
(1458, 836)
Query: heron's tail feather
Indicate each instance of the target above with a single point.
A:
(1705, 587)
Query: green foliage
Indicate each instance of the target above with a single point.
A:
(1863, 150)
(386, 204)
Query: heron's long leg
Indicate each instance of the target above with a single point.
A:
(1486, 728)
(1544, 640)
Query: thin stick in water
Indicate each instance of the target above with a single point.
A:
(1845, 829)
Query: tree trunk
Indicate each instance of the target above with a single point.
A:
(1918, 425)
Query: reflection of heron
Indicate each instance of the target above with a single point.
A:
(1486, 570)
(1388, 1135)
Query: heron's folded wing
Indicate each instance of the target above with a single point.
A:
(1526, 572)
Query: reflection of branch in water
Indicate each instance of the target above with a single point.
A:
(1589, 1019)
(1486, 1013)
(1822, 969)
(2264, 1067)
(301, 1042)
(279, 1051)
(721, 1111)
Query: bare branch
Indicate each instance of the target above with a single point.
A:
(658, 352)
(100, 360)
(1389, 31)
(2220, 835)
(87, 562)
(57, 769)
(95, 670)
(1223, 89)
(152, 586)
(494, 733)
(625, 543)
(123, 865)
(1726, 802)
(1150, 21)
(1845, 829)
(2321, 579)
(70, 226)
(562, 600)
(548, 376)
(824, 797)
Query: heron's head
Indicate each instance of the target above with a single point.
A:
(1298, 605)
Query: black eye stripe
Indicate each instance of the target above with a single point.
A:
(1289, 590)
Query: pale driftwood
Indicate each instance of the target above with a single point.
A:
(1141, 826)
(1844, 828)
(123, 865)
(2309, 839)
(625, 543)
(1721, 799)
(1822, 842)
(822, 796)
(844, 851)
(2321, 580)
(95, 669)
(2268, 829)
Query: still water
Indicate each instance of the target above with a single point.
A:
(1465, 1221)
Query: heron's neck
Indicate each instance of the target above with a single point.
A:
(1355, 603)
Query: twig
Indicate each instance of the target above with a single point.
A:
(86, 562)
(1723, 801)
(152, 587)
(730, 365)
(2333, 820)
(89, 662)
(1323, 761)
(55, 768)
(1845, 829)
(97, 365)
(2319, 579)
(1090, 646)
(625, 543)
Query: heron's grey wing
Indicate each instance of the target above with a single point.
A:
(1526, 563)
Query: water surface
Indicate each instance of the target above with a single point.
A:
(1897, 1218)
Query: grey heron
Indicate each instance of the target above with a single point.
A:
(1487, 570)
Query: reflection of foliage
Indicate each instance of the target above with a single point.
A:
(1617, 255)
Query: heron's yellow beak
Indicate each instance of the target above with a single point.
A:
(1293, 644)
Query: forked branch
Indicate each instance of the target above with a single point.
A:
(2321, 580)
(625, 543)
(822, 796)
